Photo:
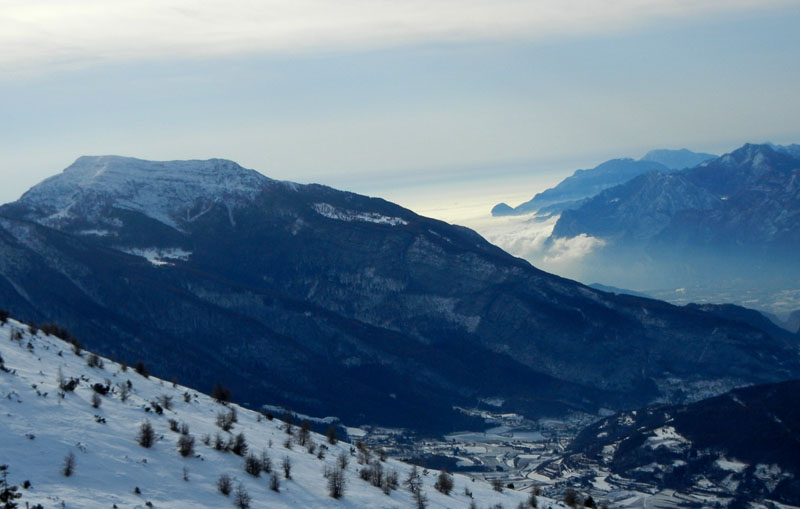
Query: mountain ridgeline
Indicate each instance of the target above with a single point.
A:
(339, 304)
(575, 190)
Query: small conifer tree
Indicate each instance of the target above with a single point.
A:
(224, 484)
(241, 498)
(146, 435)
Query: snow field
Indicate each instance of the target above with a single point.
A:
(39, 428)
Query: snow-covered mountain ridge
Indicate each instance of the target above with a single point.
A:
(171, 192)
(43, 422)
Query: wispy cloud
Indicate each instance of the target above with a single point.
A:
(47, 34)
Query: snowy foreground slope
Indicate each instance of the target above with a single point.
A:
(39, 428)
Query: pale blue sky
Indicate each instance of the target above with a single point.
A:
(491, 99)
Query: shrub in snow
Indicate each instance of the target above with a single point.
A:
(186, 445)
(289, 425)
(8, 493)
(376, 474)
(413, 482)
(304, 432)
(252, 465)
(275, 483)
(53, 329)
(139, 368)
(343, 460)
(69, 465)
(420, 499)
(96, 401)
(336, 482)
(225, 420)
(219, 443)
(165, 401)
(173, 425)
(66, 384)
(94, 361)
(221, 393)
(444, 483)
(392, 480)
(364, 456)
(101, 389)
(372, 473)
(224, 484)
(266, 462)
(4, 316)
(242, 498)
(146, 435)
(124, 392)
(497, 485)
(286, 464)
(239, 446)
(332, 435)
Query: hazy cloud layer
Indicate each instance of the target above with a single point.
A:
(41, 34)
(527, 238)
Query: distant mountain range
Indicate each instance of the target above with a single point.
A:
(338, 304)
(746, 200)
(584, 184)
(742, 445)
(726, 230)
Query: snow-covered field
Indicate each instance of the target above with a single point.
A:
(40, 425)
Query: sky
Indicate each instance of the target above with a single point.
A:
(444, 106)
